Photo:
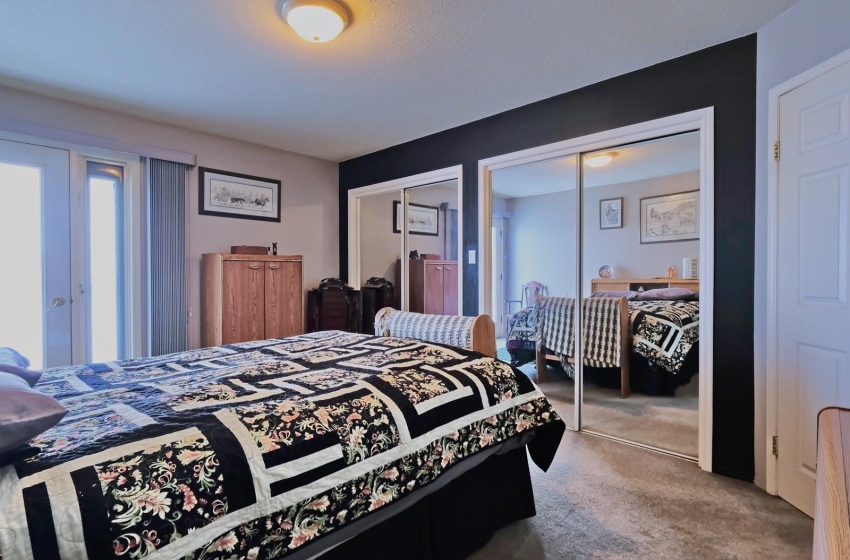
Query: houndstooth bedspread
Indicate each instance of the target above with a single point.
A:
(663, 332)
(252, 450)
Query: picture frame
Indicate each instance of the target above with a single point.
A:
(421, 219)
(670, 217)
(611, 213)
(235, 195)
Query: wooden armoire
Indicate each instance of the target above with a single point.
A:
(250, 297)
(433, 286)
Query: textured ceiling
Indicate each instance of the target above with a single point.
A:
(645, 160)
(402, 70)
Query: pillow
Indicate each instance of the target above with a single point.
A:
(668, 294)
(628, 294)
(11, 361)
(24, 412)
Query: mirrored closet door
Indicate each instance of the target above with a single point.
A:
(640, 248)
(534, 273)
(407, 250)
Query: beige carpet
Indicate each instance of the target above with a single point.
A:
(603, 499)
(665, 422)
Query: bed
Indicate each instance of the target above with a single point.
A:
(330, 445)
(658, 340)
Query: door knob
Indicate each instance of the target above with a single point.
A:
(57, 302)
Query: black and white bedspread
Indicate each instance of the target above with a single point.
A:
(664, 331)
(254, 450)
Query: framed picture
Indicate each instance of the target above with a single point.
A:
(611, 213)
(421, 219)
(670, 217)
(233, 195)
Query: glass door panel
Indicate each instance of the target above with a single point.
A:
(106, 263)
(640, 215)
(35, 288)
(539, 228)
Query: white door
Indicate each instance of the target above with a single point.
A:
(498, 260)
(35, 249)
(812, 273)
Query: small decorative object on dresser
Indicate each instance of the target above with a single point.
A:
(250, 297)
(605, 271)
(611, 213)
(233, 195)
(248, 250)
(690, 268)
(671, 271)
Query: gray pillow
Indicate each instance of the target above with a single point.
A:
(668, 294)
(24, 412)
(11, 361)
(628, 294)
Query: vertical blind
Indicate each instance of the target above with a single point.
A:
(167, 252)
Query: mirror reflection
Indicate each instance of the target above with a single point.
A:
(534, 264)
(640, 249)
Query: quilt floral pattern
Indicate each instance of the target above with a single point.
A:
(253, 450)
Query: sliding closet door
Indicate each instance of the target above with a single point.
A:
(380, 254)
(640, 241)
(431, 247)
(535, 207)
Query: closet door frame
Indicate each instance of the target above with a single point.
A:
(454, 173)
(701, 120)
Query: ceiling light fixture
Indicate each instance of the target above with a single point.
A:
(600, 160)
(317, 21)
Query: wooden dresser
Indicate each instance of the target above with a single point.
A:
(635, 284)
(250, 297)
(372, 301)
(433, 287)
(333, 310)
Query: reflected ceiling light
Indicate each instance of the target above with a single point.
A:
(600, 160)
(317, 21)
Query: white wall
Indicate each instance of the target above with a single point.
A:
(540, 244)
(541, 237)
(807, 34)
(310, 187)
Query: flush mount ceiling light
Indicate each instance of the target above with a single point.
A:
(600, 160)
(317, 21)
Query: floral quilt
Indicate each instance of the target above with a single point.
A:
(253, 450)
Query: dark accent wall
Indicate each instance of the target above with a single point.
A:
(724, 77)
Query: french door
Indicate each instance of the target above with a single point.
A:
(35, 248)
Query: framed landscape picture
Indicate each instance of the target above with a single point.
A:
(233, 195)
(611, 213)
(421, 219)
(670, 217)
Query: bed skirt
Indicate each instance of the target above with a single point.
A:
(453, 522)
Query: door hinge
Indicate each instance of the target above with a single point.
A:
(776, 151)
(776, 445)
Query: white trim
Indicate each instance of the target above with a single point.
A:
(454, 173)
(772, 373)
(700, 119)
(52, 136)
